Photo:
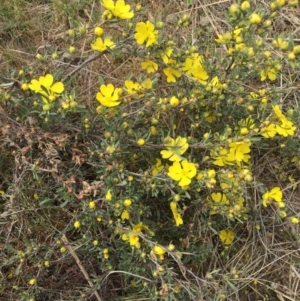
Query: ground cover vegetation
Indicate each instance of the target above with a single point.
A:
(149, 150)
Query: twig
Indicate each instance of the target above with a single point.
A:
(94, 57)
(88, 60)
(74, 255)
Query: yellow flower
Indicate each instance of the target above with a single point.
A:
(157, 168)
(166, 55)
(193, 67)
(174, 101)
(224, 38)
(158, 250)
(269, 72)
(268, 131)
(46, 87)
(211, 173)
(140, 227)
(278, 112)
(221, 160)
(226, 236)
(220, 198)
(132, 235)
(102, 45)
(286, 128)
(118, 9)
(176, 214)
(171, 74)
(182, 172)
(108, 96)
(175, 148)
(125, 215)
(133, 238)
(238, 152)
(145, 32)
(147, 84)
(149, 66)
(280, 43)
(200, 74)
(131, 87)
(215, 84)
(275, 194)
(248, 123)
(108, 196)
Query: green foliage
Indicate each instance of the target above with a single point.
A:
(160, 181)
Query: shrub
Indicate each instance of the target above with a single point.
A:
(169, 175)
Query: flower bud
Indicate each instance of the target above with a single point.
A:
(254, 18)
(245, 5)
(98, 31)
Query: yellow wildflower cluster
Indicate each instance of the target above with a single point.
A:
(227, 200)
(146, 33)
(149, 66)
(238, 153)
(102, 45)
(270, 70)
(69, 103)
(228, 37)
(193, 67)
(132, 235)
(208, 177)
(119, 9)
(273, 195)
(181, 170)
(231, 206)
(47, 89)
(282, 127)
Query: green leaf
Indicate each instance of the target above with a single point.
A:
(11, 248)
(129, 76)
(45, 202)
(100, 80)
(233, 287)
(17, 271)
(64, 204)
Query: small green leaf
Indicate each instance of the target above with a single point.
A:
(100, 80)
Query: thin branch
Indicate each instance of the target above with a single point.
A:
(84, 272)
